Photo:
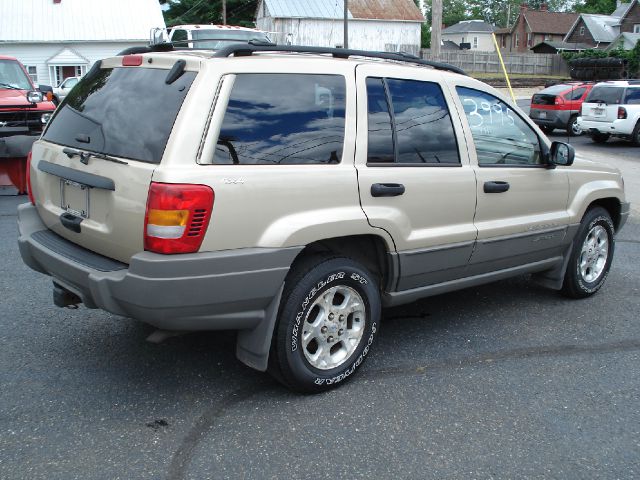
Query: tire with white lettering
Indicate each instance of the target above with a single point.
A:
(591, 255)
(329, 316)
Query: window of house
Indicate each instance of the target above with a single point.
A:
(504, 41)
(409, 123)
(33, 73)
(500, 136)
(581, 31)
(636, 28)
(278, 119)
(475, 42)
(548, 36)
(529, 39)
(517, 40)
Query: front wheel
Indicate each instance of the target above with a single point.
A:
(329, 316)
(591, 255)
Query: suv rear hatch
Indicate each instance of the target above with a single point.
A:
(92, 169)
(601, 105)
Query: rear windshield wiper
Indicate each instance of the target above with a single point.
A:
(84, 156)
(8, 85)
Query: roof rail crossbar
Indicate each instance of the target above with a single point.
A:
(243, 49)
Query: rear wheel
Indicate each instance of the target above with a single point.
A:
(573, 128)
(328, 319)
(635, 136)
(591, 255)
(600, 137)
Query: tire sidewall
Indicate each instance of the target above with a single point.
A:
(336, 272)
(598, 218)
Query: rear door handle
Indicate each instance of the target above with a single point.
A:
(496, 187)
(387, 189)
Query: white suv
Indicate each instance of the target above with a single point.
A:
(290, 193)
(612, 109)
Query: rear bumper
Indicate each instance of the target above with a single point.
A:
(202, 291)
(617, 127)
(553, 118)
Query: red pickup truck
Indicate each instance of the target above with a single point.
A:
(24, 111)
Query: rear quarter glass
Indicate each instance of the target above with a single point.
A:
(125, 112)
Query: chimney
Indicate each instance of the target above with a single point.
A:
(57, 1)
(544, 7)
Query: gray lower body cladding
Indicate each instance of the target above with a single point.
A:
(202, 291)
(553, 118)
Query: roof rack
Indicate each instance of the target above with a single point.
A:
(247, 49)
(253, 46)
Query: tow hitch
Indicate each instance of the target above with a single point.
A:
(64, 298)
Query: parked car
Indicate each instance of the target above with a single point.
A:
(24, 110)
(208, 36)
(558, 106)
(61, 91)
(612, 109)
(291, 192)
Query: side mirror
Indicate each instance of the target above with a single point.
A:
(562, 154)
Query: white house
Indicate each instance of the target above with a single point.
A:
(476, 33)
(382, 25)
(56, 39)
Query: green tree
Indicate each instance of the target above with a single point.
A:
(605, 7)
(239, 12)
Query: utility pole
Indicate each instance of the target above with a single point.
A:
(224, 12)
(436, 27)
(345, 42)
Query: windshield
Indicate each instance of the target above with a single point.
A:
(225, 37)
(122, 112)
(12, 76)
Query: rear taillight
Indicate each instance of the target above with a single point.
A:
(558, 101)
(177, 217)
(29, 189)
(622, 113)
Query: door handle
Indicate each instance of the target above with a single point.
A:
(496, 187)
(387, 189)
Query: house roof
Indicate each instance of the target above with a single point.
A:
(557, 23)
(449, 45)
(563, 46)
(469, 26)
(628, 40)
(621, 10)
(38, 21)
(334, 9)
(601, 26)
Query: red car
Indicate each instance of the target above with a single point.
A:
(24, 111)
(558, 106)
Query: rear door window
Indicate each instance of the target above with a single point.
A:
(409, 123)
(123, 112)
(279, 119)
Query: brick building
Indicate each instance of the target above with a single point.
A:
(533, 27)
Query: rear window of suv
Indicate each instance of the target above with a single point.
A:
(122, 112)
(608, 95)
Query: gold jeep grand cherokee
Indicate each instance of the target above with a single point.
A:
(291, 192)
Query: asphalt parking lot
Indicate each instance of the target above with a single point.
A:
(508, 380)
